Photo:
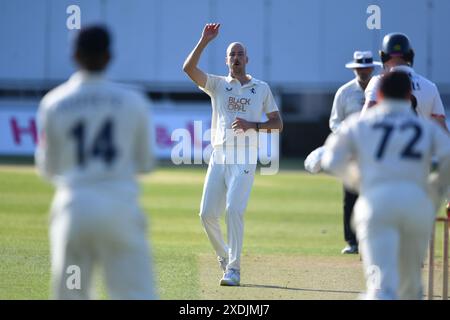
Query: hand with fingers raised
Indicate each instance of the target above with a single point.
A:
(210, 31)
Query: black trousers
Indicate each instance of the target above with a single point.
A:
(349, 202)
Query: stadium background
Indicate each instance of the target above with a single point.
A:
(298, 47)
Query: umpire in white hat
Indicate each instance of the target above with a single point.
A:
(350, 99)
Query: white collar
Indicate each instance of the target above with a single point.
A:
(229, 79)
(395, 106)
(86, 76)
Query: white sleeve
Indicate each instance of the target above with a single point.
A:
(441, 150)
(372, 89)
(312, 162)
(363, 110)
(370, 93)
(337, 112)
(339, 157)
(46, 151)
(211, 85)
(144, 139)
(337, 152)
(269, 104)
(439, 182)
(437, 109)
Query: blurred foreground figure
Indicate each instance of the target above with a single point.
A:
(386, 155)
(94, 139)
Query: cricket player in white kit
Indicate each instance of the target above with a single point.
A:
(94, 138)
(397, 55)
(238, 104)
(387, 155)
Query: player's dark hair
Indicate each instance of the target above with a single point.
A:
(395, 85)
(92, 47)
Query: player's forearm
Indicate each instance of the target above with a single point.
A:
(441, 122)
(193, 58)
(334, 160)
(269, 125)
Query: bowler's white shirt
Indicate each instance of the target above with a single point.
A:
(359, 141)
(349, 99)
(429, 103)
(230, 99)
(90, 101)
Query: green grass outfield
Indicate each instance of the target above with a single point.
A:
(293, 238)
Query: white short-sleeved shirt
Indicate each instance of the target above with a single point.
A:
(93, 132)
(230, 99)
(349, 99)
(389, 144)
(429, 103)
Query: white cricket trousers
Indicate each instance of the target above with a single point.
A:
(393, 225)
(227, 188)
(92, 228)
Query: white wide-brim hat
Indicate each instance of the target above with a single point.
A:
(362, 59)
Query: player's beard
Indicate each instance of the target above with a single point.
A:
(238, 70)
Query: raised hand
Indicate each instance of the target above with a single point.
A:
(210, 31)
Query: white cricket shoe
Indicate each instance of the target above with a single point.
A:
(350, 249)
(223, 263)
(231, 277)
